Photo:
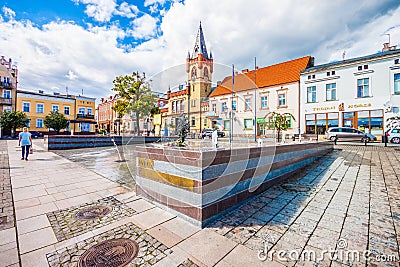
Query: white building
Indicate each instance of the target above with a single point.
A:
(255, 94)
(359, 92)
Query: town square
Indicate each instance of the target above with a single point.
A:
(199, 133)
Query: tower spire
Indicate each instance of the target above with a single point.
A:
(200, 45)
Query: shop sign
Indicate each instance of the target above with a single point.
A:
(260, 120)
(365, 105)
(324, 108)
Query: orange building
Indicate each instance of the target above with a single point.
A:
(106, 116)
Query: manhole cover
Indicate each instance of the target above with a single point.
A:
(110, 253)
(92, 212)
(296, 187)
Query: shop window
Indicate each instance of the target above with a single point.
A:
(248, 124)
(319, 123)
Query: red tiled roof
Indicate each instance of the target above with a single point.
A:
(282, 73)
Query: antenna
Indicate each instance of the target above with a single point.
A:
(82, 91)
(344, 55)
(66, 89)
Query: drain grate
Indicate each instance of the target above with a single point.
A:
(92, 212)
(114, 252)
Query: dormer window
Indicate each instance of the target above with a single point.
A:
(396, 61)
(365, 67)
(333, 72)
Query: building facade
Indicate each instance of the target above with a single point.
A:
(360, 92)
(8, 88)
(188, 98)
(106, 115)
(78, 110)
(251, 95)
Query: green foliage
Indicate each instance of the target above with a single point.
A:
(135, 90)
(56, 121)
(278, 121)
(121, 108)
(13, 120)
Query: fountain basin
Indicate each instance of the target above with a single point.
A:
(199, 185)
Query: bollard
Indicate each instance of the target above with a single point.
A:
(365, 141)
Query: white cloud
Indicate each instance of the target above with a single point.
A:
(8, 12)
(144, 27)
(126, 10)
(100, 10)
(152, 2)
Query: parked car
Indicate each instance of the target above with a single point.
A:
(393, 135)
(208, 133)
(347, 133)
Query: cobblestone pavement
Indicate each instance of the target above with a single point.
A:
(188, 263)
(6, 203)
(65, 224)
(347, 201)
(150, 250)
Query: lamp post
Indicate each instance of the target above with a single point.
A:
(190, 123)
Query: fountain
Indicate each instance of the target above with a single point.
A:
(119, 154)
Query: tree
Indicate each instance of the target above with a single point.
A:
(155, 111)
(135, 90)
(278, 121)
(393, 122)
(12, 120)
(56, 121)
(121, 107)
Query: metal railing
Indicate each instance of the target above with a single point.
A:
(85, 116)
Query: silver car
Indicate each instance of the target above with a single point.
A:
(393, 135)
(347, 133)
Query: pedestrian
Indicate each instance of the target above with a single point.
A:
(25, 141)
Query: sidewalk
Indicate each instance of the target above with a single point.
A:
(349, 200)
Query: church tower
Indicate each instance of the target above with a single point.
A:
(199, 67)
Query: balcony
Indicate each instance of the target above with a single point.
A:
(6, 85)
(5, 101)
(85, 116)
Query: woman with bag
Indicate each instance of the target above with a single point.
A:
(25, 141)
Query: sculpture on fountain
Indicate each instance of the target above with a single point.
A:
(182, 129)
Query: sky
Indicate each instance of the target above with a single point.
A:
(85, 44)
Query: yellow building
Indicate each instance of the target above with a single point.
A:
(79, 110)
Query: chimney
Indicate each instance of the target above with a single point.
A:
(40, 91)
(245, 70)
(9, 63)
(385, 47)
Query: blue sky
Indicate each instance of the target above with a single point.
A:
(85, 44)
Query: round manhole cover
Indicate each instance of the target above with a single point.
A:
(92, 212)
(110, 253)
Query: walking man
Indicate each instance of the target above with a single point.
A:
(25, 141)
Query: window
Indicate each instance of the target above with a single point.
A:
(173, 107)
(397, 83)
(26, 107)
(39, 108)
(331, 92)
(193, 102)
(81, 110)
(39, 123)
(396, 61)
(214, 107)
(66, 110)
(313, 76)
(333, 72)
(234, 104)
(365, 67)
(248, 124)
(363, 87)
(289, 120)
(328, 73)
(264, 102)
(309, 77)
(6, 94)
(205, 122)
(193, 121)
(224, 107)
(281, 100)
(311, 94)
(247, 104)
(54, 108)
(359, 67)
